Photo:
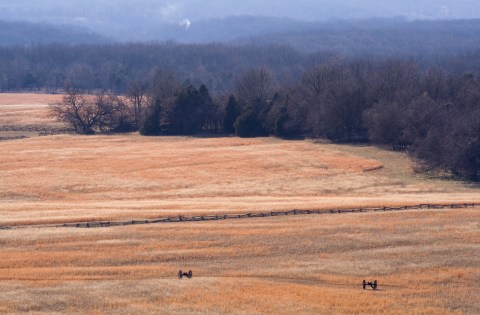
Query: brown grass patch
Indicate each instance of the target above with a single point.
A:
(7, 99)
(426, 262)
(27, 109)
(75, 178)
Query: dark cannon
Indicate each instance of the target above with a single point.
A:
(373, 284)
(188, 274)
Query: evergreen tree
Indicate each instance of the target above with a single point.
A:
(193, 111)
(280, 122)
(209, 110)
(232, 111)
(247, 125)
(151, 124)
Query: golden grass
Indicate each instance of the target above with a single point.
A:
(27, 109)
(7, 99)
(75, 178)
(426, 262)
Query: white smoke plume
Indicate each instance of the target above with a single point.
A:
(185, 23)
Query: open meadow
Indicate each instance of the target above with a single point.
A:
(59, 179)
(426, 261)
(26, 109)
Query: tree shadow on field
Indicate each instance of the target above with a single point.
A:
(447, 177)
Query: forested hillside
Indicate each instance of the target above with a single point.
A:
(24, 33)
(113, 66)
(389, 37)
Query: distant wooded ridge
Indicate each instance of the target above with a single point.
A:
(28, 62)
(25, 33)
(369, 36)
(123, 19)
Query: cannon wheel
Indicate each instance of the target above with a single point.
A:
(190, 274)
(180, 274)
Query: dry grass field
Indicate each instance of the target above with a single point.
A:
(26, 109)
(426, 261)
(65, 178)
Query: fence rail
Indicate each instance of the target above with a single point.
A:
(12, 138)
(41, 130)
(204, 218)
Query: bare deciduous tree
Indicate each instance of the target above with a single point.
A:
(255, 85)
(87, 114)
(137, 95)
(164, 86)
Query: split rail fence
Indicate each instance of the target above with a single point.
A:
(42, 131)
(176, 219)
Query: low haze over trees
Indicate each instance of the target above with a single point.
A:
(114, 67)
(212, 21)
(25, 33)
(449, 45)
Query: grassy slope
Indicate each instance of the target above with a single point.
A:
(426, 263)
(71, 178)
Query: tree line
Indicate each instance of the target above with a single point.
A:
(434, 114)
(113, 67)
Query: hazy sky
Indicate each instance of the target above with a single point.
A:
(176, 10)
